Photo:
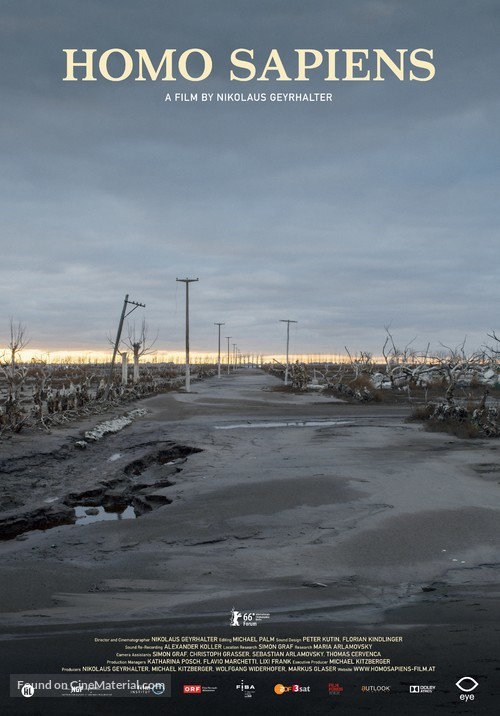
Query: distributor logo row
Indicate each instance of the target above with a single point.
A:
(32, 685)
(466, 684)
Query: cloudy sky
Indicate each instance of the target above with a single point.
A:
(379, 208)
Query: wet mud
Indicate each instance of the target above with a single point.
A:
(138, 485)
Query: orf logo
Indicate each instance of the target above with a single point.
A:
(191, 689)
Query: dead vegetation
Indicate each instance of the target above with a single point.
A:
(450, 390)
(463, 421)
(39, 395)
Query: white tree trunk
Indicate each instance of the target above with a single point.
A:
(136, 367)
(124, 368)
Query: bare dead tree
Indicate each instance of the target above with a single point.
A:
(138, 342)
(398, 361)
(18, 341)
(493, 352)
(15, 375)
(41, 389)
(457, 365)
(360, 363)
(496, 339)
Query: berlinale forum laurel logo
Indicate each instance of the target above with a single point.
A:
(235, 618)
(246, 619)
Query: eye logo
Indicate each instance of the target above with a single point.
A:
(467, 684)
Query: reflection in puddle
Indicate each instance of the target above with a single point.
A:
(287, 424)
(100, 514)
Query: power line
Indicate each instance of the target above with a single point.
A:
(287, 321)
(218, 354)
(228, 338)
(187, 281)
(123, 316)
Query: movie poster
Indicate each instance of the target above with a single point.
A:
(249, 422)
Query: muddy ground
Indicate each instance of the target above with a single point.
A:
(332, 517)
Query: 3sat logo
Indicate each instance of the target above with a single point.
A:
(292, 689)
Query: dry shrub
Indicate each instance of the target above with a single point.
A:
(421, 413)
(359, 389)
(465, 429)
(469, 421)
(363, 384)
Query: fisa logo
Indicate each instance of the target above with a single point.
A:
(248, 690)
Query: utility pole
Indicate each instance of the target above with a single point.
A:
(187, 281)
(218, 355)
(287, 321)
(228, 337)
(123, 316)
(234, 356)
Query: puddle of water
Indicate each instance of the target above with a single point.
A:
(173, 456)
(286, 424)
(114, 457)
(51, 499)
(82, 518)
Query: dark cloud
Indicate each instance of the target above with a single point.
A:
(379, 208)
